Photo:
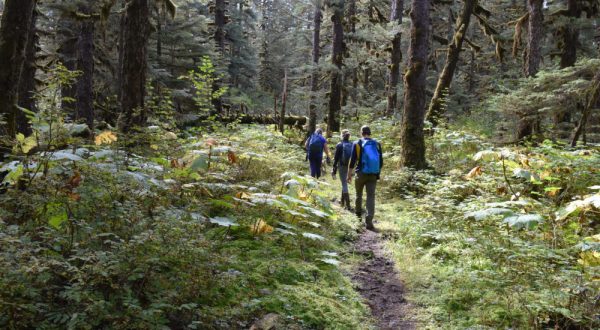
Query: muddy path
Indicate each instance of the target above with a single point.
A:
(379, 284)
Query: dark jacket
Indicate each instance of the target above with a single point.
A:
(339, 152)
(356, 153)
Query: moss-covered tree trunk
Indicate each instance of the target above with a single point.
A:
(412, 135)
(283, 102)
(591, 104)
(136, 29)
(437, 104)
(67, 54)
(337, 58)
(535, 27)
(85, 64)
(27, 83)
(570, 35)
(396, 58)
(14, 30)
(529, 123)
(314, 79)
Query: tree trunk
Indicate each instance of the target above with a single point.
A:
(283, 102)
(314, 79)
(437, 105)
(528, 123)
(67, 54)
(14, 30)
(534, 37)
(133, 72)
(85, 64)
(570, 36)
(27, 84)
(413, 139)
(592, 101)
(396, 58)
(337, 58)
(220, 22)
(352, 22)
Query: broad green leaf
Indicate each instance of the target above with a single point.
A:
(313, 236)
(484, 214)
(486, 155)
(528, 221)
(57, 215)
(223, 221)
(199, 163)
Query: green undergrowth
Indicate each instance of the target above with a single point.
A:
(204, 231)
(497, 238)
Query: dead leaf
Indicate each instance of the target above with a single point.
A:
(242, 195)
(74, 181)
(476, 171)
(106, 137)
(211, 142)
(231, 156)
(261, 227)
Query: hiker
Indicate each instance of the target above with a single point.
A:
(343, 153)
(315, 145)
(366, 160)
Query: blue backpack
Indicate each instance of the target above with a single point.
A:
(346, 152)
(316, 144)
(369, 158)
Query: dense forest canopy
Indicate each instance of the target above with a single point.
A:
(151, 151)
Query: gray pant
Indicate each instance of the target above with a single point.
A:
(343, 172)
(369, 181)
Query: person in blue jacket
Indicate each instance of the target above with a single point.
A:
(315, 145)
(367, 161)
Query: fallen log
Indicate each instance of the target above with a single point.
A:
(190, 120)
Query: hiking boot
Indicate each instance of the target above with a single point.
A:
(370, 225)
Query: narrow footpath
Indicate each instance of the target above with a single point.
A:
(379, 283)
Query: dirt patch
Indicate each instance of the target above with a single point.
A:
(379, 283)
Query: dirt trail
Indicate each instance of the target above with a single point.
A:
(379, 283)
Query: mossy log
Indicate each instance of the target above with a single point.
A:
(190, 120)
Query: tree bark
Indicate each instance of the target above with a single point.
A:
(529, 124)
(27, 84)
(14, 30)
(283, 103)
(85, 64)
(570, 36)
(337, 58)
(534, 37)
(436, 106)
(133, 71)
(396, 58)
(413, 139)
(592, 102)
(67, 54)
(314, 79)
(220, 22)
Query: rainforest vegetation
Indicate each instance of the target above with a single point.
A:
(153, 168)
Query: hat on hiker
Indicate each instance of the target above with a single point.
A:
(365, 130)
(319, 130)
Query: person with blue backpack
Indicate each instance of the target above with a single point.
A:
(341, 159)
(315, 145)
(367, 161)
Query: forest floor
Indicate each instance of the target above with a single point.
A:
(224, 230)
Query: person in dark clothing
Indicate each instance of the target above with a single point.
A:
(341, 159)
(367, 161)
(315, 145)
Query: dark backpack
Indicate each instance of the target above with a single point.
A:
(316, 145)
(346, 152)
(370, 162)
